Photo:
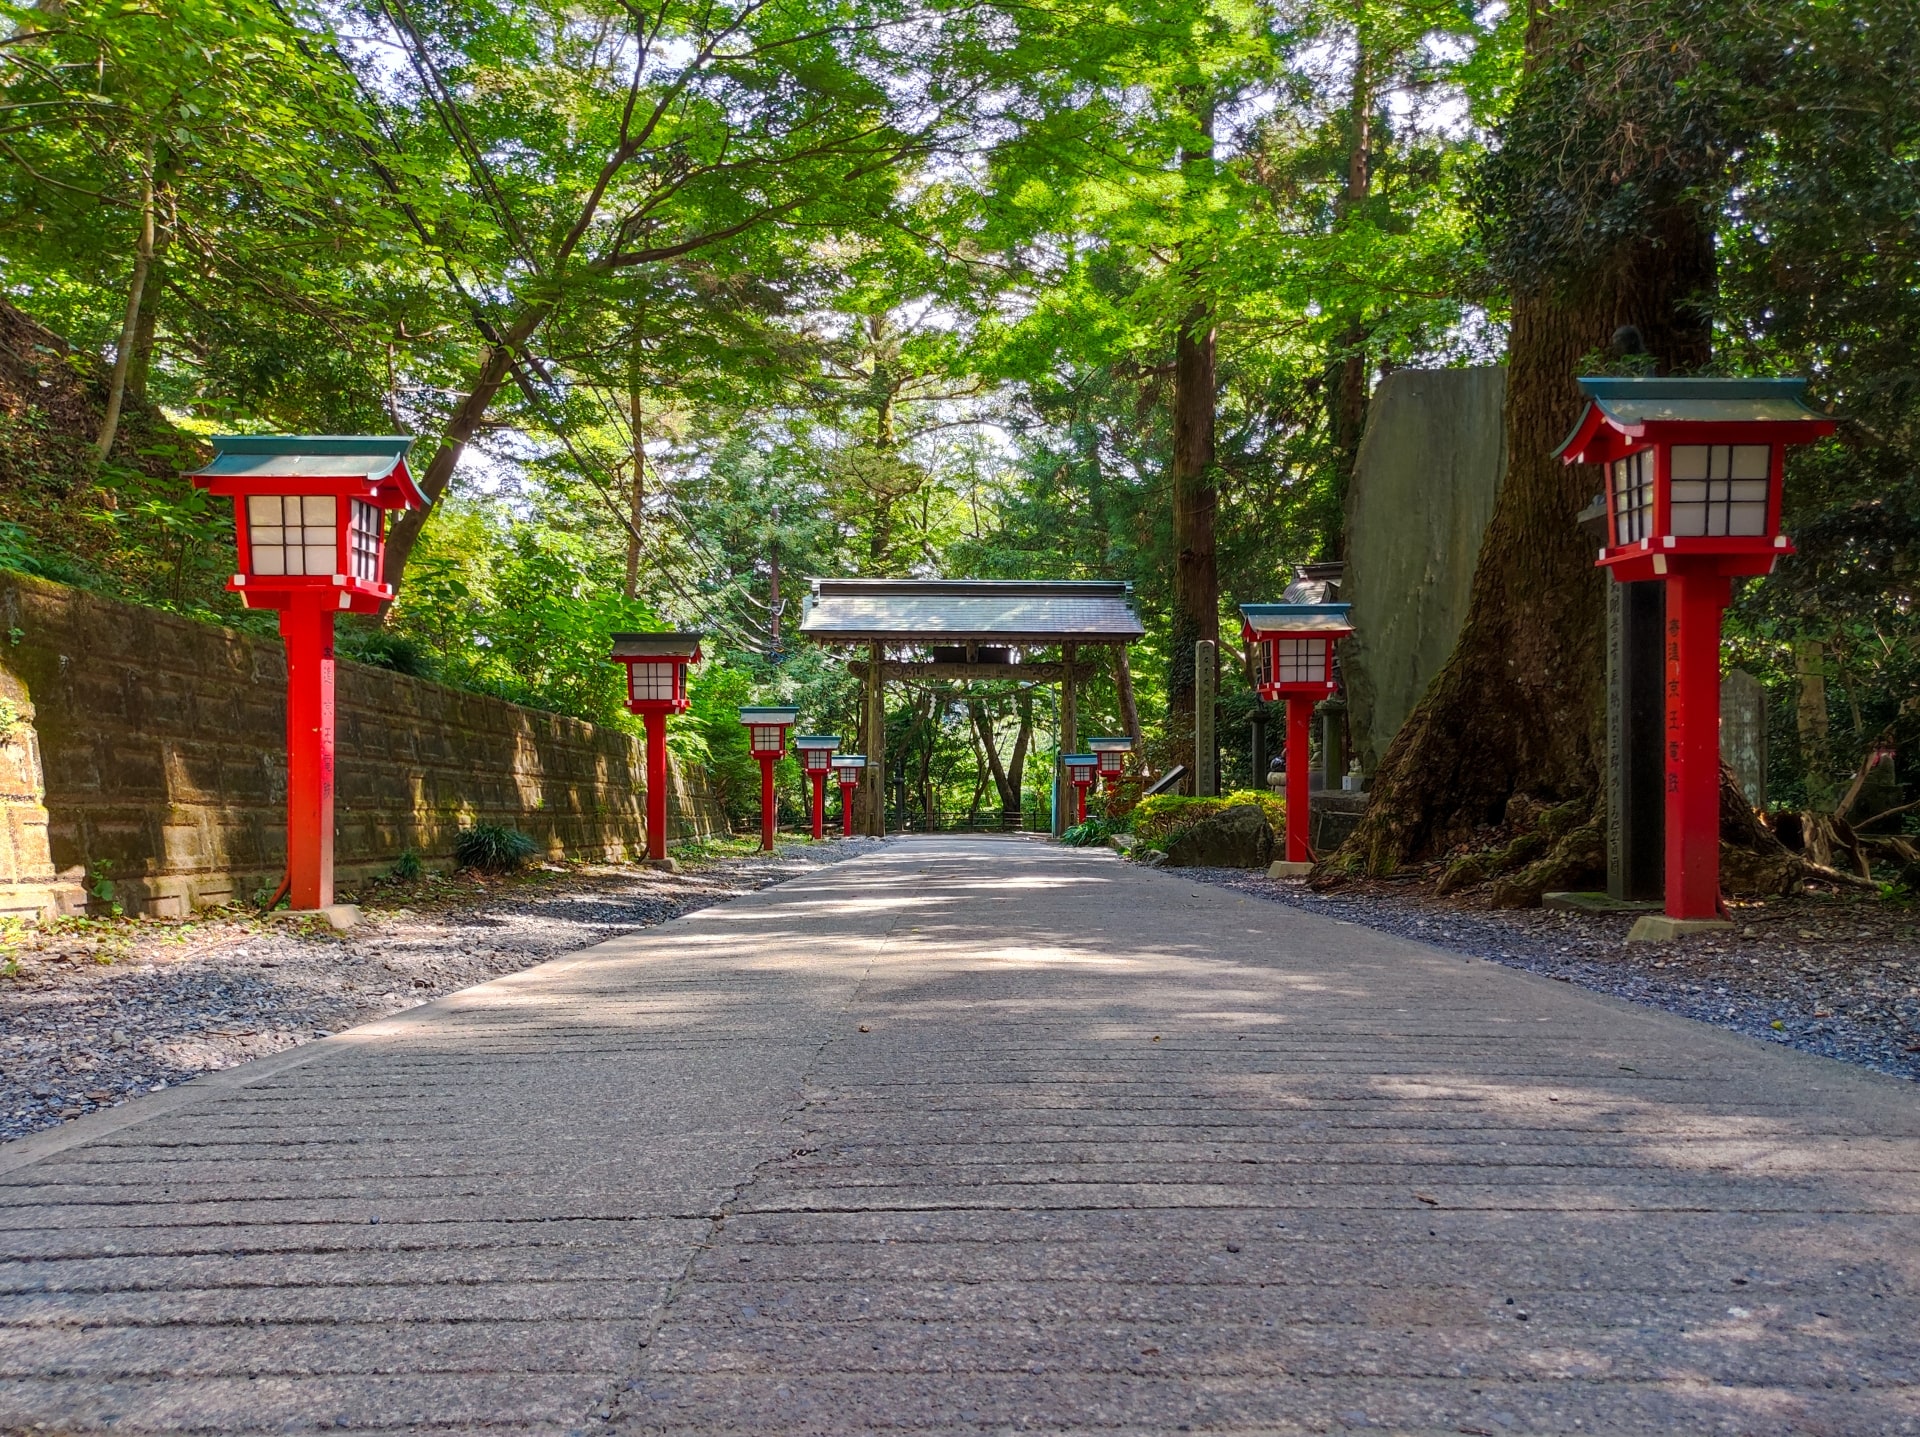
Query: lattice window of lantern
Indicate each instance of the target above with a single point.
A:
(650, 683)
(1633, 497)
(1302, 661)
(1719, 489)
(292, 533)
(819, 758)
(363, 541)
(766, 738)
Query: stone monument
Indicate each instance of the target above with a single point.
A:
(1423, 488)
(1743, 733)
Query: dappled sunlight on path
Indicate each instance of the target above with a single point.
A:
(981, 1136)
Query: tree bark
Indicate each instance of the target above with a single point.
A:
(130, 326)
(1129, 706)
(1350, 388)
(636, 431)
(1196, 576)
(496, 361)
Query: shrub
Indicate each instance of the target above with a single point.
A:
(492, 848)
(1157, 819)
(407, 867)
(1091, 834)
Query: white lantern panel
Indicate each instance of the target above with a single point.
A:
(1300, 661)
(766, 738)
(820, 758)
(292, 533)
(1632, 480)
(363, 537)
(1719, 490)
(651, 683)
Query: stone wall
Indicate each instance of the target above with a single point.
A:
(150, 750)
(1423, 487)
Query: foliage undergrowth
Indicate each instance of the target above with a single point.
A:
(1157, 819)
(492, 848)
(1092, 833)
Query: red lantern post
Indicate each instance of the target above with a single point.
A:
(656, 687)
(1296, 664)
(1080, 769)
(310, 517)
(816, 757)
(847, 768)
(1694, 472)
(767, 739)
(1112, 754)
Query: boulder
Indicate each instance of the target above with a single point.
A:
(1238, 837)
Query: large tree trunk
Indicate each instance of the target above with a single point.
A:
(130, 325)
(1350, 389)
(1196, 576)
(1518, 707)
(496, 362)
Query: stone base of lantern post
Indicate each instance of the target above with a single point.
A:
(1280, 868)
(1659, 928)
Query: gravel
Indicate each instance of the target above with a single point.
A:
(1835, 976)
(93, 1013)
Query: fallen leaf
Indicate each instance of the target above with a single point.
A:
(1428, 1199)
(865, 1029)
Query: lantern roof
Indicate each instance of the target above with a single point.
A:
(1644, 408)
(1269, 620)
(1079, 760)
(1314, 584)
(372, 466)
(816, 740)
(656, 646)
(782, 716)
(1120, 744)
(1005, 611)
(849, 760)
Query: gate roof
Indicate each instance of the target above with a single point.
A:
(1006, 611)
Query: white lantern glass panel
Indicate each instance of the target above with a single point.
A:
(292, 534)
(819, 758)
(652, 682)
(1300, 661)
(1719, 489)
(766, 738)
(1632, 497)
(363, 541)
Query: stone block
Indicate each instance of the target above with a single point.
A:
(1424, 482)
(1238, 837)
(1658, 928)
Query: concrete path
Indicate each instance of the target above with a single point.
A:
(983, 1136)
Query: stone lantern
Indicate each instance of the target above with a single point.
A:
(816, 757)
(847, 769)
(656, 687)
(310, 520)
(767, 740)
(1296, 664)
(1694, 471)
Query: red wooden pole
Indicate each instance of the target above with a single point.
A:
(819, 778)
(846, 808)
(1299, 802)
(768, 813)
(1694, 605)
(656, 785)
(1080, 796)
(307, 630)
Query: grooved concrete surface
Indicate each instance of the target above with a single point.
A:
(983, 1136)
